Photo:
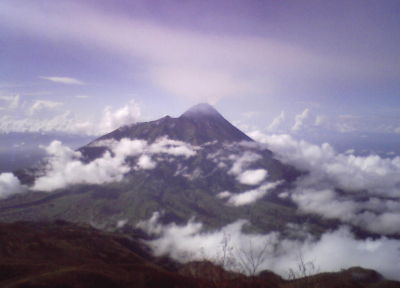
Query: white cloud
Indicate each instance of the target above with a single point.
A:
(277, 122)
(335, 250)
(41, 106)
(129, 114)
(224, 194)
(369, 186)
(349, 151)
(248, 197)
(242, 162)
(64, 80)
(173, 147)
(145, 162)
(126, 147)
(64, 166)
(252, 177)
(62, 122)
(10, 185)
(12, 102)
(302, 120)
(47, 116)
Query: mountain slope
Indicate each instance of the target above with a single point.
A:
(198, 125)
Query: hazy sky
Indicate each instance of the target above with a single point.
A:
(321, 70)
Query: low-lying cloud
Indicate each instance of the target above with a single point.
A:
(363, 191)
(248, 197)
(64, 166)
(252, 177)
(10, 185)
(333, 251)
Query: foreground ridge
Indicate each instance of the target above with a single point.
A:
(62, 254)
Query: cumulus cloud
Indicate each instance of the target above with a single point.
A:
(41, 106)
(64, 166)
(128, 114)
(277, 122)
(252, 177)
(242, 162)
(146, 163)
(173, 147)
(333, 251)
(10, 185)
(301, 120)
(247, 197)
(12, 102)
(63, 80)
(363, 191)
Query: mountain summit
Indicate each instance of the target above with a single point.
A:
(198, 125)
(202, 110)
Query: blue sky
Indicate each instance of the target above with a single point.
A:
(322, 71)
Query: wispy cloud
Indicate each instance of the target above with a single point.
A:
(190, 64)
(64, 80)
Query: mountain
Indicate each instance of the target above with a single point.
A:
(198, 125)
(195, 176)
(197, 165)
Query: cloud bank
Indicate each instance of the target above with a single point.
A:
(335, 250)
(363, 191)
(10, 185)
(49, 116)
(65, 167)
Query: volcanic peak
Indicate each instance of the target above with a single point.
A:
(200, 111)
(198, 125)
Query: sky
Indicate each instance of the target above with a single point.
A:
(325, 71)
